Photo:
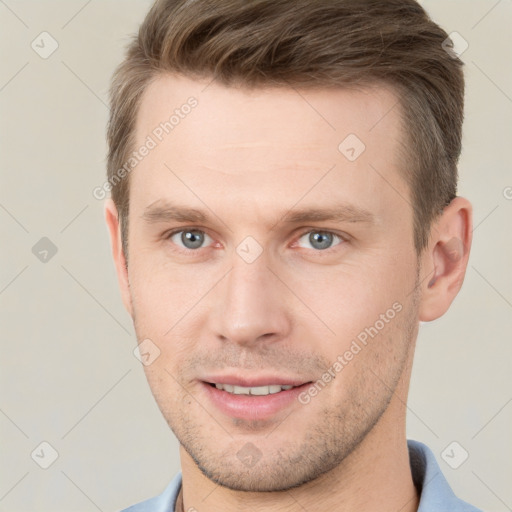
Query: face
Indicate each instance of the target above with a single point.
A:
(268, 256)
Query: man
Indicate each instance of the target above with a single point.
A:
(283, 215)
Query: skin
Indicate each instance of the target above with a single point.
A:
(248, 158)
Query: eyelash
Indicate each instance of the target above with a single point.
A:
(342, 238)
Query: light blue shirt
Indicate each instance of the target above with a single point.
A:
(435, 492)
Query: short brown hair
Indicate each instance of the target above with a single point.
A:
(306, 43)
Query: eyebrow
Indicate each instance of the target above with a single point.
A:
(339, 213)
(164, 211)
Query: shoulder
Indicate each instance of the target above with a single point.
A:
(436, 494)
(164, 502)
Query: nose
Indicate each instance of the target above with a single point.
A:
(252, 305)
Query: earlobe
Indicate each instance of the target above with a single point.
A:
(114, 228)
(446, 259)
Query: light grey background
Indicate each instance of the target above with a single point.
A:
(68, 374)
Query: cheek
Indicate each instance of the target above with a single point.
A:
(335, 302)
(366, 360)
(346, 301)
(162, 295)
(168, 393)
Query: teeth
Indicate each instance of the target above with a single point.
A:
(257, 390)
(239, 390)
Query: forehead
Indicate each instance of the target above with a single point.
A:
(252, 118)
(239, 141)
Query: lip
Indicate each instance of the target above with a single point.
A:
(253, 407)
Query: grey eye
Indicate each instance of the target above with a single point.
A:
(189, 238)
(320, 240)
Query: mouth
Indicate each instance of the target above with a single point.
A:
(271, 389)
(259, 399)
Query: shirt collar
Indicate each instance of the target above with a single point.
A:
(435, 492)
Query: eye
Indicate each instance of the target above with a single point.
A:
(190, 239)
(193, 239)
(321, 240)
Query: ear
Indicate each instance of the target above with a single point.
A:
(445, 260)
(114, 227)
